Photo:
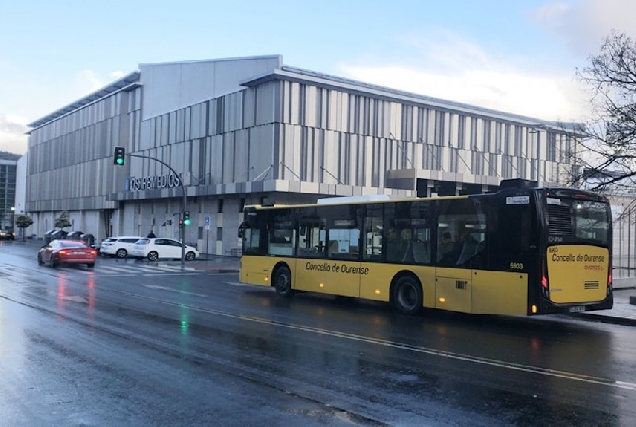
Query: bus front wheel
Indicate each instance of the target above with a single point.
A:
(282, 281)
(407, 295)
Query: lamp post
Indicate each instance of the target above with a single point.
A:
(183, 207)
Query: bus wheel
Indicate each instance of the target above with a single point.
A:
(407, 295)
(282, 281)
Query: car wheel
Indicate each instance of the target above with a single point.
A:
(52, 262)
(282, 282)
(190, 256)
(40, 262)
(407, 295)
(90, 265)
(121, 253)
(153, 256)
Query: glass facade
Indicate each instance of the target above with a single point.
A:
(8, 171)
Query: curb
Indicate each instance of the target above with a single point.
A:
(602, 318)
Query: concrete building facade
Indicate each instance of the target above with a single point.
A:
(232, 132)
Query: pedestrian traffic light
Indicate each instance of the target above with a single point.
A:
(186, 218)
(120, 154)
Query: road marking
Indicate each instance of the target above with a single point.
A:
(166, 288)
(413, 348)
(75, 298)
(144, 270)
(240, 284)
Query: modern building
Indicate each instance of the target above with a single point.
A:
(232, 132)
(8, 176)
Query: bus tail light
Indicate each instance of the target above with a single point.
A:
(544, 278)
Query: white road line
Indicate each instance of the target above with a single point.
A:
(166, 288)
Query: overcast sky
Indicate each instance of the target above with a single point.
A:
(516, 56)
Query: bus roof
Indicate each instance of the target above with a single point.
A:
(348, 201)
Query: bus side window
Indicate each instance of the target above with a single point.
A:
(312, 238)
(512, 235)
(461, 234)
(372, 242)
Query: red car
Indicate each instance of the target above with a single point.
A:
(67, 252)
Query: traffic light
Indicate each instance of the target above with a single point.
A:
(186, 218)
(120, 156)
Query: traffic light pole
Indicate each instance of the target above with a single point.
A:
(183, 209)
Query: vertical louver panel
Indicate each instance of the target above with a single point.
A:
(559, 220)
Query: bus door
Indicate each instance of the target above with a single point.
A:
(343, 250)
(375, 276)
(312, 268)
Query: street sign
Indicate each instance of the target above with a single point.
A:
(207, 222)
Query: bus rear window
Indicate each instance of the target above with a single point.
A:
(580, 219)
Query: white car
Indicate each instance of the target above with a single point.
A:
(119, 246)
(160, 247)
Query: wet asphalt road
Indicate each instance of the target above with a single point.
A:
(133, 343)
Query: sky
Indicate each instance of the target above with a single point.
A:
(516, 56)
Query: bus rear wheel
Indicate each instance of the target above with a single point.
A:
(282, 281)
(407, 295)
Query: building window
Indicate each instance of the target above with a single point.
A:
(220, 205)
(551, 152)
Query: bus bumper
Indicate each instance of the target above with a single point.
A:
(548, 307)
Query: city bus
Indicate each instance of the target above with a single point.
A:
(523, 250)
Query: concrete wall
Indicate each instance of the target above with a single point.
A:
(171, 86)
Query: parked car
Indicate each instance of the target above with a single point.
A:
(89, 239)
(48, 234)
(119, 246)
(74, 235)
(58, 234)
(59, 252)
(160, 247)
(7, 235)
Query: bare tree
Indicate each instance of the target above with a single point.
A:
(611, 136)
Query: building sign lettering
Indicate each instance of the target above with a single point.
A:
(168, 180)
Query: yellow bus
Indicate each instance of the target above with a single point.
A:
(523, 250)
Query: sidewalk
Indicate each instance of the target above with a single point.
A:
(622, 313)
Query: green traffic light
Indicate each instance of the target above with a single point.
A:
(187, 222)
(120, 156)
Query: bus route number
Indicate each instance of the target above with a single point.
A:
(516, 266)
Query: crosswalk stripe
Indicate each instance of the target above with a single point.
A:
(141, 269)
